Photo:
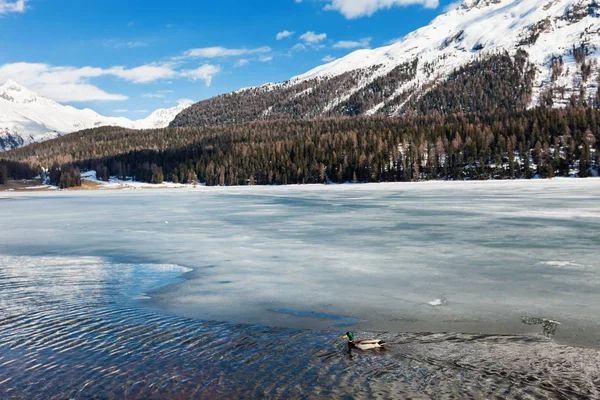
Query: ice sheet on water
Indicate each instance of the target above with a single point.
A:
(380, 255)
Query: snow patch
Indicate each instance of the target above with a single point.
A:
(437, 302)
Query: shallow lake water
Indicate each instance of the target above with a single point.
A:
(482, 289)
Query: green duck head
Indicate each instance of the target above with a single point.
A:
(349, 336)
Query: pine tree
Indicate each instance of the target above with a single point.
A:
(584, 161)
(3, 174)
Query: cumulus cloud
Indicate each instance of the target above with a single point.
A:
(284, 34)
(328, 59)
(299, 47)
(205, 73)
(313, 38)
(215, 52)
(242, 62)
(63, 84)
(351, 44)
(17, 6)
(360, 8)
(145, 73)
(72, 84)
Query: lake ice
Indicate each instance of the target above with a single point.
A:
(438, 256)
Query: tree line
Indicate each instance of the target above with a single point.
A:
(494, 145)
(65, 176)
(14, 170)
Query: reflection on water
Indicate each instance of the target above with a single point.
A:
(72, 328)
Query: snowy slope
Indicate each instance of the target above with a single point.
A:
(26, 117)
(548, 31)
(162, 117)
(545, 29)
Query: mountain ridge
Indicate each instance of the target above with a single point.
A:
(26, 117)
(552, 46)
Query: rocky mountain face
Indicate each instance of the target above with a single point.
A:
(26, 117)
(483, 55)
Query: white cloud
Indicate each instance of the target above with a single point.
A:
(63, 84)
(350, 44)
(214, 52)
(265, 58)
(166, 91)
(7, 6)
(153, 96)
(141, 111)
(121, 44)
(299, 47)
(133, 45)
(145, 73)
(72, 84)
(328, 59)
(205, 73)
(313, 38)
(242, 62)
(284, 34)
(121, 111)
(359, 8)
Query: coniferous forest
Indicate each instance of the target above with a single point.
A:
(495, 145)
(17, 170)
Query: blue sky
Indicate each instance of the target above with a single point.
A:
(130, 57)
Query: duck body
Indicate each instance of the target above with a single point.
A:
(365, 344)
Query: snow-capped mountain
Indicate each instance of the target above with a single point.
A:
(485, 54)
(162, 117)
(26, 117)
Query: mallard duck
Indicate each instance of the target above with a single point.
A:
(365, 344)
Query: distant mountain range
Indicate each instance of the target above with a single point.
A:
(26, 117)
(484, 55)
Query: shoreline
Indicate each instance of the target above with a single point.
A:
(92, 184)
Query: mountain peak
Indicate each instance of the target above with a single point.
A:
(468, 4)
(478, 56)
(16, 93)
(26, 117)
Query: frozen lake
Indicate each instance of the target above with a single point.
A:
(202, 293)
(460, 257)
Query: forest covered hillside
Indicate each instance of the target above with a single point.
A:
(495, 145)
(482, 56)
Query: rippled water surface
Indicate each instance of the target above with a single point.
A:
(114, 294)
